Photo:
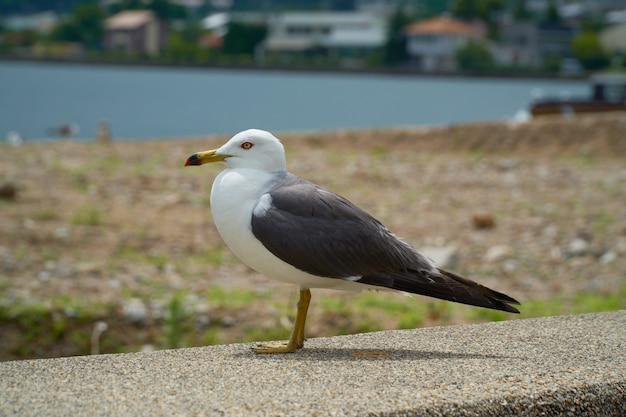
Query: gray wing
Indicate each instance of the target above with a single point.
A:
(324, 234)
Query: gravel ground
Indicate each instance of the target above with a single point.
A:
(535, 210)
(566, 365)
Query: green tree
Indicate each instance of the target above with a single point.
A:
(589, 51)
(19, 38)
(163, 9)
(126, 5)
(521, 12)
(474, 57)
(476, 9)
(85, 25)
(167, 11)
(66, 32)
(552, 13)
(89, 18)
(394, 50)
(465, 9)
(429, 8)
(484, 10)
(243, 39)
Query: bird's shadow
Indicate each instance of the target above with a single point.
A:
(347, 354)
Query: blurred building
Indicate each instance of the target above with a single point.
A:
(342, 35)
(432, 43)
(529, 44)
(135, 31)
(613, 39)
(42, 22)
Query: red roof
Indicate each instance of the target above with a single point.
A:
(446, 25)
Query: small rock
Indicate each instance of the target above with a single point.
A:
(608, 257)
(158, 309)
(202, 322)
(509, 266)
(7, 261)
(114, 283)
(201, 307)
(70, 312)
(228, 321)
(556, 252)
(506, 164)
(585, 234)
(135, 310)
(44, 276)
(620, 245)
(498, 253)
(483, 221)
(550, 232)
(8, 191)
(577, 247)
(444, 257)
(62, 233)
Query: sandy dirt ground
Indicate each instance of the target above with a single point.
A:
(122, 223)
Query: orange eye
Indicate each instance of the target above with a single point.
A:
(247, 145)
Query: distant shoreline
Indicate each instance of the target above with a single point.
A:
(403, 72)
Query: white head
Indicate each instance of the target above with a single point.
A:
(250, 149)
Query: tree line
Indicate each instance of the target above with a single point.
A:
(85, 26)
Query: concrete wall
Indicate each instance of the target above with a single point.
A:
(567, 365)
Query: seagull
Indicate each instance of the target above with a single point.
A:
(294, 231)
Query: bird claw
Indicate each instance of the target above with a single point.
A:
(281, 347)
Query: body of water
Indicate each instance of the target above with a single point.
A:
(145, 103)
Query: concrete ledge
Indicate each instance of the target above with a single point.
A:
(567, 365)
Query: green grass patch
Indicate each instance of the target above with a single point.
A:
(214, 256)
(378, 152)
(153, 257)
(210, 336)
(233, 298)
(87, 216)
(580, 303)
(581, 160)
(45, 215)
(130, 253)
(407, 312)
(260, 334)
(602, 220)
(177, 322)
(63, 325)
(50, 254)
(58, 327)
(80, 180)
(110, 164)
(158, 259)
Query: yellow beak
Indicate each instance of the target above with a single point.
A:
(205, 157)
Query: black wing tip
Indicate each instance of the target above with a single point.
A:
(503, 297)
(502, 306)
(497, 300)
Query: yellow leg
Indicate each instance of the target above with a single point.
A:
(296, 341)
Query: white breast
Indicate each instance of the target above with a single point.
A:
(234, 196)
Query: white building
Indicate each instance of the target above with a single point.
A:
(335, 34)
(613, 39)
